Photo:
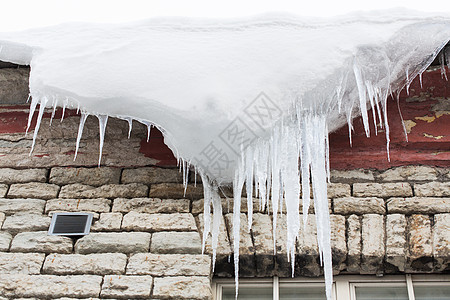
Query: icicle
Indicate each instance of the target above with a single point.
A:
(64, 109)
(34, 103)
(207, 191)
(80, 132)
(54, 104)
(42, 105)
(362, 97)
(442, 64)
(102, 120)
(130, 125)
(217, 220)
(420, 80)
(238, 183)
(249, 183)
(149, 127)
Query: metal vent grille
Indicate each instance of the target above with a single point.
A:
(70, 224)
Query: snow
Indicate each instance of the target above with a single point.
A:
(245, 101)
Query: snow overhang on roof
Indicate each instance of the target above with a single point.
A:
(240, 100)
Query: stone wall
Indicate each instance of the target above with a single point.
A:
(145, 241)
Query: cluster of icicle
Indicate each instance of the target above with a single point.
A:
(270, 168)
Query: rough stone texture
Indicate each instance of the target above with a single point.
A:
(396, 241)
(90, 176)
(76, 190)
(126, 287)
(373, 244)
(40, 241)
(354, 243)
(181, 287)
(3, 190)
(2, 218)
(336, 190)
(5, 241)
(71, 205)
(21, 263)
(158, 222)
(352, 205)
(33, 190)
(14, 85)
(109, 242)
(151, 205)
(395, 189)
(306, 262)
(418, 205)
(12, 206)
(441, 242)
(108, 222)
(175, 191)
(227, 206)
(338, 242)
(96, 264)
(246, 248)
(351, 176)
(432, 189)
(171, 242)
(420, 244)
(151, 175)
(409, 173)
(49, 286)
(26, 222)
(263, 240)
(169, 265)
(223, 266)
(9, 176)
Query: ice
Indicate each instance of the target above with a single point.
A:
(201, 83)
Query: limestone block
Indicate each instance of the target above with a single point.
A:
(49, 286)
(432, 189)
(441, 241)
(175, 191)
(169, 265)
(151, 205)
(3, 190)
(170, 242)
(396, 241)
(109, 242)
(382, 190)
(33, 190)
(96, 264)
(76, 205)
(420, 244)
(227, 206)
(2, 218)
(108, 222)
(284, 268)
(416, 205)
(264, 246)
(5, 241)
(40, 241)
(306, 262)
(338, 242)
(311, 206)
(134, 221)
(122, 286)
(359, 206)
(373, 246)
(181, 287)
(21, 263)
(76, 190)
(10, 176)
(338, 190)
(151, 175)
(409, 173)
(26, 222)
(90, 176)
(14, 85)
(354, 243)
(351, 176)
(12, 206)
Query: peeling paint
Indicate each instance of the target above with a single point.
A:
(427, 119)
(409, 124)
(432, 136)
(442, 113)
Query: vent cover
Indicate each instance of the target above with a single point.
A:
(70, 224)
